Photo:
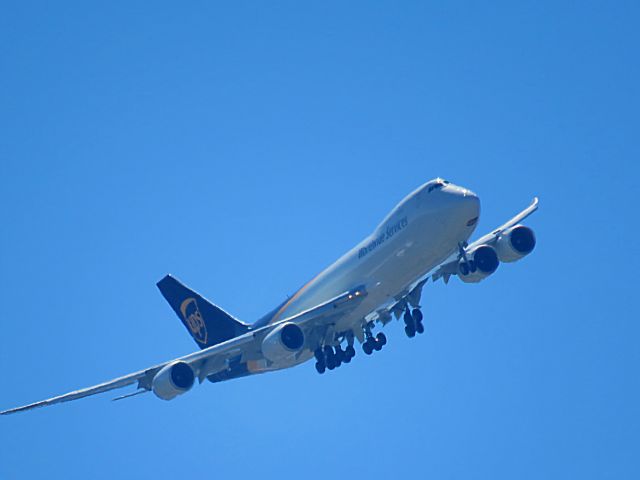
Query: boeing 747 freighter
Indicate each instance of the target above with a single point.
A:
(424, 237)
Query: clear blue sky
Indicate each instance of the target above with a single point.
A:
(243, 146)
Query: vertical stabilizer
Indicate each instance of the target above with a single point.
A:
(207, 323)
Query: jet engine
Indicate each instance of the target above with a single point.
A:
(480, 263)
(515, 243)
(283, 342)
(173, 380)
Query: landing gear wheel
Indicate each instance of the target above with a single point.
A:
(339, 355)
(381, 338)
(343, 354)
(350, 352)
(320, 368)
(330, 363)
(410, 322)
(417, 315)
(410, 331)
(377, 346)
(419, 327)
(367, 347)
(330, 359)
(345, 357)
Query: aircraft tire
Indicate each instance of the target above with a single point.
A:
(329, 358)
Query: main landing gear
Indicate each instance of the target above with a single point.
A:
(373, 343)
(331, 357)
(328, 358)
(413, 322)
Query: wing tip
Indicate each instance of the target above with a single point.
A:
(11, 411)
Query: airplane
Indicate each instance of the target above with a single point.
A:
(424, 237)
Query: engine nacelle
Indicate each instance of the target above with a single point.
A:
(173, 380)
(515, 243)
(482, 262)
(283, 342)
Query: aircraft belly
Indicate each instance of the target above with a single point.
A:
(254, 367)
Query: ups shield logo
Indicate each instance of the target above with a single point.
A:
(193, 319)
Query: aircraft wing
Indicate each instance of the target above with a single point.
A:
(143, 378)
(490, 238)
(212, 359)
(449, 266)
(85, 392)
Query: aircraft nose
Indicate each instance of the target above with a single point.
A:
(467, 203)
(473, 204)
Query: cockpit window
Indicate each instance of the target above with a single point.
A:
(438, 183)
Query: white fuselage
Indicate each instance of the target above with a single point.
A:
(416, 236)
